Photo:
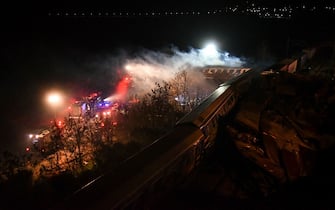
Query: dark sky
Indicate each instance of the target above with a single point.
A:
(40, 51)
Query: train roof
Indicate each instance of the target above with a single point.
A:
(203, 110)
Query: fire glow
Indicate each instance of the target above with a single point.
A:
(121, 90)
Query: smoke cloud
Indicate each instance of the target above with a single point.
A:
(150, 67)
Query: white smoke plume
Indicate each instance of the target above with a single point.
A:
(150, 67)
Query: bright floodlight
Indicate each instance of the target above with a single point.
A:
(210, 49)
(54, 99)
(128, 67)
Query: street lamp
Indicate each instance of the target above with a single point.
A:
(54, 99)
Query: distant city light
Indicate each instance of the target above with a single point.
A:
(249, 8)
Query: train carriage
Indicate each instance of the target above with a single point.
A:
(166, 160)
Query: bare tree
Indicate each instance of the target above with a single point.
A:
(56, 142)
(180, 88)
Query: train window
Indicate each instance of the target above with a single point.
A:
(224, 110)
(205, 130)
(214, 123)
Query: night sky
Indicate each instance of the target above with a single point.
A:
(41, 51)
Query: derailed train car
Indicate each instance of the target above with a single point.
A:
(165, 162)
